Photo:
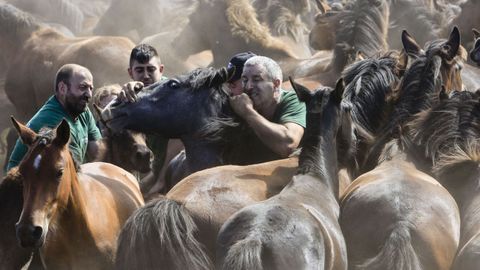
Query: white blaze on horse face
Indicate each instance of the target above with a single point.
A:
(36, 162)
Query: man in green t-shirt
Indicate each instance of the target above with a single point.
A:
(73, 91)
(145, 68)
(276, 117)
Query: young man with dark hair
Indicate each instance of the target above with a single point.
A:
(145, 69)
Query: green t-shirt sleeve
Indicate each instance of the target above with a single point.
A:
(291, 110)
(93, 131)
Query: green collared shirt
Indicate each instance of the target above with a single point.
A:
(82, 130)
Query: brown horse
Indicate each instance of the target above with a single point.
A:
(298, 228)
(73, 217)
(397, 217)
(475, 52)
(124, 148)
(404, 232)
(35, 52)
(445, 140)
(179, 232)
(440, 61)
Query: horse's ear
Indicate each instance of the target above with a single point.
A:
(323, 6)
(476, 33)
(221, 76)
(409, 44)
(443, 93)
(451, 47)
(359, 56)
(338, 92)
(63, 134)
(303, 94)
(26, 134)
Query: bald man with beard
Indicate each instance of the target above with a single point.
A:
(73, 90)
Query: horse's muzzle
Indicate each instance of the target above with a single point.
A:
(29, 236)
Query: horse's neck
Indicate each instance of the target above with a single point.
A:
(201, 154)
(73, 214)
(319, 158)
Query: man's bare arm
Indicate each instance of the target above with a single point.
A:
(96, 150)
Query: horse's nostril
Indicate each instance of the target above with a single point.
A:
(37, 232)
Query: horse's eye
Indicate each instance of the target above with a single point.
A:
(173, 83)
(58, 174)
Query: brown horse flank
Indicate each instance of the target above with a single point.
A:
(445, 137)
(475, 52)
(439, 65)
(298, 228)
(36, 52)
(73, 217)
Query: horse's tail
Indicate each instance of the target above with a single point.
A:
(396, 253)
(244, 255)
(160, 234)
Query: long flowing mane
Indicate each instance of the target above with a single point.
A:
(16, 22)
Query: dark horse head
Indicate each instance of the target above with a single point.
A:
(193, 107)
(475, 52)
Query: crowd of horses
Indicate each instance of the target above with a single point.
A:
(387, 177)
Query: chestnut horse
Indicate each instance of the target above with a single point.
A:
(445, 137)
(36, 52)
(298, 228)
(73, 217)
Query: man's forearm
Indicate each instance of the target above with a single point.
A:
(275, 136)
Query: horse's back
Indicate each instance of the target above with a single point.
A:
(410, 207)
(115, 190)
(229, 188)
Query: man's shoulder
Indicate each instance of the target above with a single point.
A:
(49, 115)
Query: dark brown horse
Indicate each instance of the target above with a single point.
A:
(445, 141)
(35, 52)
(73, 217)
(298, 228)
(475, 52)
(440, 64)
(415, 221)
(12, 255)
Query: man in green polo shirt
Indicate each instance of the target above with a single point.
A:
(73, 91)
(276, 117)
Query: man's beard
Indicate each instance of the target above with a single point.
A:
(74, 106)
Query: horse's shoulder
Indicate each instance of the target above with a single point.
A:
(107, 176)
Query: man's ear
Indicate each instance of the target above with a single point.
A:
(160, 68)
(130, 72)
(62, 88)
(277, 83)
